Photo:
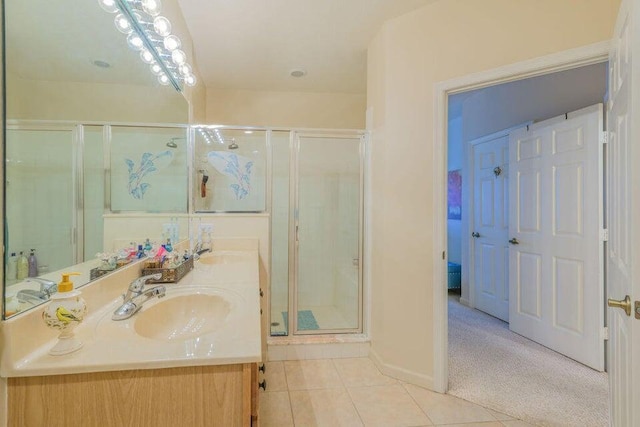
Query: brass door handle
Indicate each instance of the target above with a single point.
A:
(624, 304)
(514, 241)
(475, 234)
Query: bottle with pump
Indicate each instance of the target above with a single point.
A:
(32, 264)
(22, 268)
(65, 311)
(168, 246)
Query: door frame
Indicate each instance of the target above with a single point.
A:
(468, 211)
(561, 61)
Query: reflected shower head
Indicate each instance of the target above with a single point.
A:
(172, 142)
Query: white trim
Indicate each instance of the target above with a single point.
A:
(560, 61)
(401, 373)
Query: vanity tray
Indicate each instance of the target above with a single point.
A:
(170, 275)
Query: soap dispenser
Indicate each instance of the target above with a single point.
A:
(64, 312)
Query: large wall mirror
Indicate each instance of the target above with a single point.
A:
(90, 133)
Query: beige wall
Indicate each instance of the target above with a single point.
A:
(446, 39)
(286, 109)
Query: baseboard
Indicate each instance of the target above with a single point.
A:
(399, 373)
(465, 301)
(316, 350)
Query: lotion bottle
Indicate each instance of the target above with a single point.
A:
(22, 269)
(33, 264)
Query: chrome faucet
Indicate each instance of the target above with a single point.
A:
(136, 296)
(47, 288)
(199, 249)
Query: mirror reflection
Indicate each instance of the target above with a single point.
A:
(89, 136)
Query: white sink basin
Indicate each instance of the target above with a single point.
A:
(185, 313)
(182, 317)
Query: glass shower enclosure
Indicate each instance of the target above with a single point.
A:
(316, 229)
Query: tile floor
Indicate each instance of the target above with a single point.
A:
(352, 392)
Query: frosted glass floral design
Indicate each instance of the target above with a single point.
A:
(137, 188)
(237, 168)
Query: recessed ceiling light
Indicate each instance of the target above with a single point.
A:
(101, 64)
(298, 72)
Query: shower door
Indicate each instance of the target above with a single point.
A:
(325, 221)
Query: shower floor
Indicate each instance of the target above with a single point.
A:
(327, 317)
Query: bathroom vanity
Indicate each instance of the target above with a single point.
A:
(189, 358)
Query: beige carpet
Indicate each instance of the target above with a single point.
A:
(492, 366)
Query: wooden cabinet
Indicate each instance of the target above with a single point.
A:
(223, 395)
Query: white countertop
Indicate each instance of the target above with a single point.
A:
(114, 345)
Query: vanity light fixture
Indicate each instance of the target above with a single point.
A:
(149, 33)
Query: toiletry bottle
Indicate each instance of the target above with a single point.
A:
(147, 246)
(168, 246)
(12, 268)
(33, 264)
(140, 253)
(185, 256)
(22, 268)
(65, 311)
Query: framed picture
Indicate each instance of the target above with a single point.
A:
(454, 195)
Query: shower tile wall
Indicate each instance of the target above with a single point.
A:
(40, 176)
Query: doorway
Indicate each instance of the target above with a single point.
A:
(482, 282)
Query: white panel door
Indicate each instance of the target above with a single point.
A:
(491, 227)
(556, 282)
(623, 198)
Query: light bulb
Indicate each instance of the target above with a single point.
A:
(108, 5)
(162, 26)
(156, 69)
(184, 69)
(172, 43)
(122, 24)
(163, 79)
(147, 57)
(178, 57)
(190, 80)
(152, 7)
(135, 42)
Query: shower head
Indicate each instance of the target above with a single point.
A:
(233, 145)
(172, 142)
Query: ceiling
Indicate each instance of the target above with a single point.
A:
(45, 41)
(254, 44)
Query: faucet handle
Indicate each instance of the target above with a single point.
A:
(138, 284)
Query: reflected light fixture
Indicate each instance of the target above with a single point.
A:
(150, 34)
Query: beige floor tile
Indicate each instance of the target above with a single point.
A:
(387, 406)
(275, 409)
(516, 423)
(311, 374)
(446, 409)
(274, 374)
(328, 407)
(360, 372)
(499, 415)
(488, 424)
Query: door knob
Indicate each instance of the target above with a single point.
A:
(514, 241)
(624, 304)
(475, 234)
